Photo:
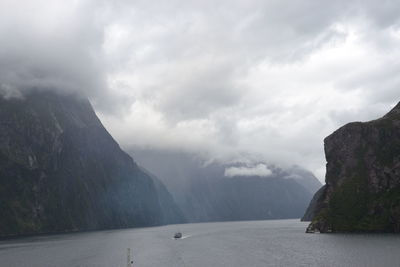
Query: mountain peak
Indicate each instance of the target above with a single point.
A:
(395, 112)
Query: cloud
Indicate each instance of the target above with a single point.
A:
(54, 45)
(47, 44)
(266, 80)
(258, 170)
(261, 78)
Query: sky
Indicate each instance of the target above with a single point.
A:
(250, 80)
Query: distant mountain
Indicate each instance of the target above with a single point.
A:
(205, 193)
(60, 170)
(362, 192)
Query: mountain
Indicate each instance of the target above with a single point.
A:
(314, 205)
(60, 170)
(204, 192)
(362, 192)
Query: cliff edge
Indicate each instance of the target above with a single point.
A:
(362, 192)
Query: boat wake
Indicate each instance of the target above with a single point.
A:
(183, 237)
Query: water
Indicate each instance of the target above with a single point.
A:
(231, 244)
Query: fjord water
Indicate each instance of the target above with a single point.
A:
(255, 243)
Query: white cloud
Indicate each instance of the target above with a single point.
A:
(258, 170)
(267, 79)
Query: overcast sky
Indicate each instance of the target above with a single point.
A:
(262, 80)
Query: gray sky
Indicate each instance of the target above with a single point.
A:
(257, 80)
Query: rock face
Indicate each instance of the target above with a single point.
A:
(60, 170)
(362, 192)
(313, 206)
(205, 194)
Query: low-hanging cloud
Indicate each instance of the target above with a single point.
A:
(266, 80)
(49, 44)
(54, 45)
(260, 170)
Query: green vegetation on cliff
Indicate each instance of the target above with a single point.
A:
(60, 170)
(362, 193)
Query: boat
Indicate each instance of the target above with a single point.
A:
(178, 235)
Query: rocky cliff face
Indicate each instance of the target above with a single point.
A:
(60, 170)
(362, 191)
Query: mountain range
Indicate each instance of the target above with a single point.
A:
(206, 191)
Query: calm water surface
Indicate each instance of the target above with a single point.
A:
(231, 244)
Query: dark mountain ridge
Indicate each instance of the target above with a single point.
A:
(60, 170)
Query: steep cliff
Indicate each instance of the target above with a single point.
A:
(60, 170)
(362, 192)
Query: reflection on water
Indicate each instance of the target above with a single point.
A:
(257, 243)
